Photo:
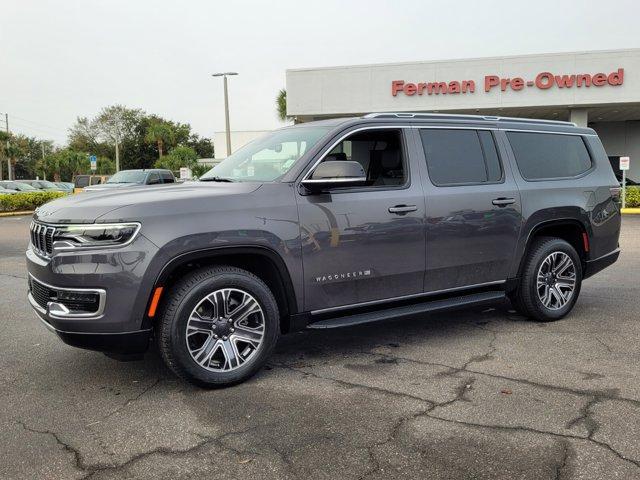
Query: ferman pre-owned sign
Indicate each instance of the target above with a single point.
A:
(542, 81)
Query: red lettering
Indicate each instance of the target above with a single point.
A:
(565, 80)
(421, 87)
(436, 87)
(544, 80)
(503, 84)
(490, 81)
(396, 86)
(616, 78)
(583, 78)
(468, 85)
(454, 87)
(599, 79)
(517, 83)
(410, 89)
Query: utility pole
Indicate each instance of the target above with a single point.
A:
(117, 152)
(6, 121)
(226, 107)
(44, 171)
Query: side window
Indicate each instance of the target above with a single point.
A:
(153, 179)
(549, 155)
(380, 154)
(167, 177)
(458, 156)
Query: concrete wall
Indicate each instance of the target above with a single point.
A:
(622, 139)
(367, 88)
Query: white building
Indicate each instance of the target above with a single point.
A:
(600, 89)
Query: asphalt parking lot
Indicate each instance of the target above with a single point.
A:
(470, 394)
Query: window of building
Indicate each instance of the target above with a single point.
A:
(380, 154)
(548, 155)
(458, 156)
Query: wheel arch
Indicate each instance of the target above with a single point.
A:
(571, 230)
(261, 261)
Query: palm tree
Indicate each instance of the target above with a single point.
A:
(159, 133)
(281, 105)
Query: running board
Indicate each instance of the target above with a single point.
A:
(395, 312)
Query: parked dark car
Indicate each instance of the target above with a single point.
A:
(43, 185)
(17, 186)
(132, 178)
(369, 218)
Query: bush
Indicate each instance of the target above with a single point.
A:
(633, 197)
(27, 200)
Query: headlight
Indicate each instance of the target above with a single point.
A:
(67, 237)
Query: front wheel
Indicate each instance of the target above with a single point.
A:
(218, 327)
(551, 280)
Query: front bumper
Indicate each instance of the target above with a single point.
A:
(120, 280)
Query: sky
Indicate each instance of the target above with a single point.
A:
(68, 58)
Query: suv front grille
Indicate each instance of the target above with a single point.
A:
(42, 238)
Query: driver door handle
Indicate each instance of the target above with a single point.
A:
(503, 201)
(402, 209)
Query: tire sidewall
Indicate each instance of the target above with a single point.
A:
(543, 313)
(190, 300)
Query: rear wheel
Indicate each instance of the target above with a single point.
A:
(219, 326)
(550, 282)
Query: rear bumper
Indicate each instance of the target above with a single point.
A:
(594, 266)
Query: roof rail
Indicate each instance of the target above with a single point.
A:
(461, 116)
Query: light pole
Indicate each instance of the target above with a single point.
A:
(226, 107)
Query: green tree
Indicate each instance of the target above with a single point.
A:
(178, 157)
(160, 133)
(281, 105)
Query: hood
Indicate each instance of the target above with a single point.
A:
(89, 207)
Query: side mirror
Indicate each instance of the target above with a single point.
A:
(336, 173)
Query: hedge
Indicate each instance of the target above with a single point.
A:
(633, 197)
(26, 200)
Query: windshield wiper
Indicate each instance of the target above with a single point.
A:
(216, 179)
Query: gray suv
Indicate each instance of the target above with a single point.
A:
(328, 224)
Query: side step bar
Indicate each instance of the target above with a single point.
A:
(394, 312)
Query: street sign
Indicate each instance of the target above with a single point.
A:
(94, 162)
(624, 163)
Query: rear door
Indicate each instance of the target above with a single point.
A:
(473, 217)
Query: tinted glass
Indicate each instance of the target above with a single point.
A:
(494, 169)
(167, 177)
(128, 176)
(547, 155)
(154, 179)
(454, 156)
(378, 151)
(82, 181)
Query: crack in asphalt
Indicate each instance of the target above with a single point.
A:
(584, 416)
(566, 448)
(133, 399)
(12, 276)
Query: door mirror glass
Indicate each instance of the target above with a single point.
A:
(338, 173)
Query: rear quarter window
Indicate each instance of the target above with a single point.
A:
(548, 155)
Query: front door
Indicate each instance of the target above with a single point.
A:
(473, 208)
(365, 243)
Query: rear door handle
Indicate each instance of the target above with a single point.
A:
(503, 201)
(402, 209)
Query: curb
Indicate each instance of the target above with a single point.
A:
(19, 214)
(630, 211)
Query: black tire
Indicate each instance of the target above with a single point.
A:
(180, 301)
(526, 299)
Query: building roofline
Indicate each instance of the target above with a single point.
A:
(460, 60)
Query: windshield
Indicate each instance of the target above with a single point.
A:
(267, 158)
(47, 184)
(22, 186)
(130, 176)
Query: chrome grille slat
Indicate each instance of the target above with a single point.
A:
(42, 238)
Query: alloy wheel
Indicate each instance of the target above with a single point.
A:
(556, 280)
(225, 330)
